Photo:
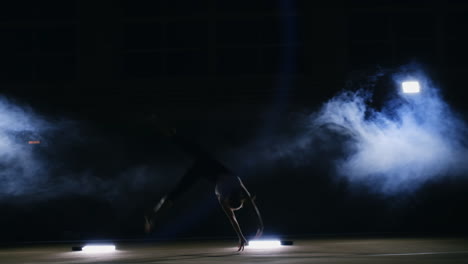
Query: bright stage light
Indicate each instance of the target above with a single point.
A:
(411, 87)
(98, 248)
(264, 244)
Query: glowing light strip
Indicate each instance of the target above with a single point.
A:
(98, 248)
(264, 244)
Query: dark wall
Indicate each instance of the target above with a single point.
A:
(214, 68)
(177, 54)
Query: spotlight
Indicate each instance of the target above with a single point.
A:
(98, 248)
(264, 243)
(411, 87)
(95, 248)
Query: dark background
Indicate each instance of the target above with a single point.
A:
(223, 73)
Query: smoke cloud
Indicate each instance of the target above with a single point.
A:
(395, 147)
(71, 159)
(19, 163)
(412, 140)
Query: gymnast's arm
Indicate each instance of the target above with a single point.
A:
(257, 212)
(232, 218)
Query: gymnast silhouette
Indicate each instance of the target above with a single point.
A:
(229, 189)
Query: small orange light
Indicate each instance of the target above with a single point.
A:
(34, 142)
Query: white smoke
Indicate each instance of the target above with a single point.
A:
(63, 163)
(409, 140)
(19, 165)
(413, 139)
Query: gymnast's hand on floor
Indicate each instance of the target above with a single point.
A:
(242, 243)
